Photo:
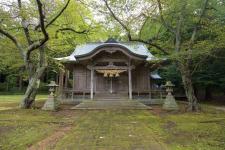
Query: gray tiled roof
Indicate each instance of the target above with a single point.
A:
(134, 47)
(155, 75)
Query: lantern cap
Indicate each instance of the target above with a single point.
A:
(168, 84)
(52, 84)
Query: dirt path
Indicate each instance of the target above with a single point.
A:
(50, 142)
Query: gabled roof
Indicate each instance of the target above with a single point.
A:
(136, 48)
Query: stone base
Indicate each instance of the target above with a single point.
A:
(170, 103)
(51, 104)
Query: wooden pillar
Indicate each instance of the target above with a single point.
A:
(60, 89)
(92, 83)
(66, 78)
(111, 85)
(149, 85)
(73, 83)
(130, 82)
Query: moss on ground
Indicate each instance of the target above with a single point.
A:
(121, 129)
(200, 131)
(21, 128)
(112, 129)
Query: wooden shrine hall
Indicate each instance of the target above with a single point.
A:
(107, 69)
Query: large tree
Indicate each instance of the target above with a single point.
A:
(172, 27)
(34, 31)
(184, 44)
(53, 29)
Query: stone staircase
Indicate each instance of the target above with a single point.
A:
(110, 104)
(110, 101)
(110, 97)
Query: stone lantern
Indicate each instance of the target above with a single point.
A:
(170, 102)
(51, 103)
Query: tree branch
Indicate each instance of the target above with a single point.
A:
(149, 42)
(60, 12)
(178, 28)
(23, 23)
(54, 18)
(42, 26)
(71, 29)
(159, 63)
(116, 18)
(192, 39)
(14, 40)
(171, 29)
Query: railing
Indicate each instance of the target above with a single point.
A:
(74, 94)
(140, 95)
(151, 94)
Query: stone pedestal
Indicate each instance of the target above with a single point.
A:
(170, 103)
(51, 103)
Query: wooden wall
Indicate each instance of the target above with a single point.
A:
(140, 80)
(82, 78)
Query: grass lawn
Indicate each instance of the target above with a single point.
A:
(109, 129)
(12, 101)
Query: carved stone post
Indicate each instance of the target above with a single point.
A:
(170, 102)
(51, 103)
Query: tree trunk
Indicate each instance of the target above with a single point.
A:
(188, 87)
(30, 94)
(34, 81)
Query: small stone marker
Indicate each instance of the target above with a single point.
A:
(170, 102)
(51, 103)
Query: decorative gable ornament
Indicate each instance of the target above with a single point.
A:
(110, 72)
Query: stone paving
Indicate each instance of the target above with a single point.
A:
(114, 130)
(111, 104)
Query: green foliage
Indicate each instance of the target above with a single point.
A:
(76, 17)
(211, 73)
(171, 73)
(143, 20)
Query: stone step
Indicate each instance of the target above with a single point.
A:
(110, 99)
(106, 96)
(111, 104)
(110, 95)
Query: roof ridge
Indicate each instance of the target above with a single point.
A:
(120, 42)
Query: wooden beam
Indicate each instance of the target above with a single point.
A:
(111, 60)
(110, 67)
